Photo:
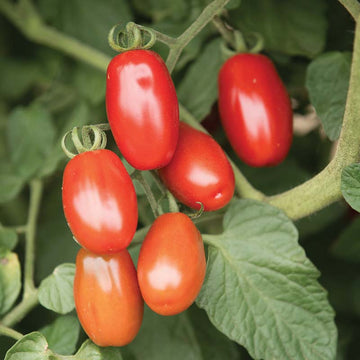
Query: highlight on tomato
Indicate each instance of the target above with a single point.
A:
(107, 297)
(99, 201)
(171, 264)
(199, 171)
(142, 108)
(255, 109)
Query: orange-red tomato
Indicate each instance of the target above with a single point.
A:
(142, 108)
(99, 201)
(199, 171)
(255, 109)
(107, 297)
(171, 264)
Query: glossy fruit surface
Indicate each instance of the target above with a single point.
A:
(99, 201)
(107, 297)
(142, 108)
(199, 171)
(171, 264)
(255, 109)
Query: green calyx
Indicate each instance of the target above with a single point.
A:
(250, 43)
(93, 138)
(131, 37)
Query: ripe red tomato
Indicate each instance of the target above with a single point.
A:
(171, 264)
(99, 201)
(107, 297)
(255, 109)
(199, 171)
(142, 108)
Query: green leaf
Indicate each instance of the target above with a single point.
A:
(17, 76)
(94, 91)
(91, 20)
(90, 351)
(261, 290)
(10, 280)
(214, 345)
(347, 247)
(62, 335)
(31, 135)
(158, 10)
(350, 185)
(292, 27)
(32, 346)
(327, 81)
(56, 291)
(174, 335)
(198, 89)
(8, 238)
(10, 186)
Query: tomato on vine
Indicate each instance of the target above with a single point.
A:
(99, 201)
(199, 171)
(107, 297)
(171, 264)
(255, 109)
(142, 108)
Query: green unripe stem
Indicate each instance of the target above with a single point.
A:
(4, 330)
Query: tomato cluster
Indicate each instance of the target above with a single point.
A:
(100, 202)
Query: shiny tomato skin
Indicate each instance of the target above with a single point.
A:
(142, 108)
(255, 109)
(99, 201)
(199, 171)
(171, 264)
(107, 297)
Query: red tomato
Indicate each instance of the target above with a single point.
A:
(171, 264)
(107, 297)
(255, 109)
(142, 108)
(99, 201)
(199, 171)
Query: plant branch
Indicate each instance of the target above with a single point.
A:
(21, 310)
(204, 18)
(352, 6)
(4, 330)
(36, 187)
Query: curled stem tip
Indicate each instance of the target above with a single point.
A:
(131, 37)
(92, 138)
(198, 213)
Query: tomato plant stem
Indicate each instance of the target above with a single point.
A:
(204, 18)
(4, 330)
(22, 309)
(36, 187)
(352, 6)
(137, 175)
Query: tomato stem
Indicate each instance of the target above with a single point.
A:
(204, 18)
(155, 207)
(36, 190)
(352, 6)
(4, 330)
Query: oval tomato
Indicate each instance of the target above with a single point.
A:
(99, 201)
(107, 297)
(199, 171)
(142, 108)
(255, 109)
(171, 264)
